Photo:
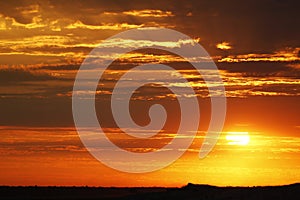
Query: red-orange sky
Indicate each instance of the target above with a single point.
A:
(255, 45)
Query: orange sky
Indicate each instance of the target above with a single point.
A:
(256, 48)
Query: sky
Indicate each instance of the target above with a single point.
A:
(254, 44)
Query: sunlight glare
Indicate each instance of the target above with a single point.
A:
(237, 138)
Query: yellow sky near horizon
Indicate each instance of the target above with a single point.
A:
(34, 159)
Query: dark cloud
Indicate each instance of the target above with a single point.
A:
(60, 67)
(36, 112)
(9, 8)
(10, 76)
(250, 26)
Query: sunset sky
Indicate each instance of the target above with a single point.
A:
(255, 45)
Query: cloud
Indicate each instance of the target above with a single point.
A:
(44, 36)
(139, 58)
(32, 140)
(8, 23)
(224, 46)
(37, 22)
(139, 43)
(286, 55)
(189, 14)
(141, 13)
(110, 26)
(148, 13)
(13, 75)
(29, 9)
(16, 141)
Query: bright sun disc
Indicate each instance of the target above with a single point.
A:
(237, 138)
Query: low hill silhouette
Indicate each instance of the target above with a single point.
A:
(190, 191)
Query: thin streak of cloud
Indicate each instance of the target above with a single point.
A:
(108, 26)
(149, 13)
(125, 43)
(143, 13)
(286, 55)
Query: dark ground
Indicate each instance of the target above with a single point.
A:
(191, 191)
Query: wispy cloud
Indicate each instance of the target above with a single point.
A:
(109, 26)
(286, 55)
(139, 43)
(29, 9)
(143, 13)
(149, 13)
(8, 23)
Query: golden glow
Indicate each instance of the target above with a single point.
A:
(267, 156)
(43, 45)
(237, 138)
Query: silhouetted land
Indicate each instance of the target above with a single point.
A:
(190, 191)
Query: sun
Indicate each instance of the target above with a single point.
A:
(238, 138)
